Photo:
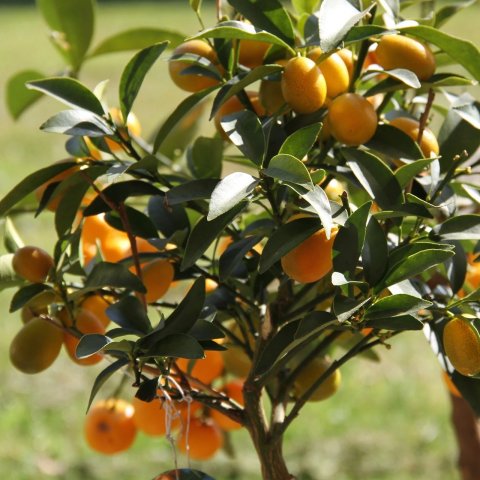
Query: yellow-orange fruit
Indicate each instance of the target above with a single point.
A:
(312, 259)
(32, 264)
(270, 94)
(334, 70)
(233, 105)
(27, 313)
(192, 82)
(451, 387)
(352, 119)
(97, 305)
(398, 51)
(303, 85)
(109, 427)
(334, 189)
(310, 374)
(411, 127)
(205, 369)
(203, 441)
(150, 417)
(36, 346)
(461, 342)
(251, 52)
(347, 56)
(86, 323)
(157, 276)
(233, 390)
(131, 127)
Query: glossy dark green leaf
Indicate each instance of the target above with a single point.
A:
(11, 238)
(139, 223)
(462, 51)
(344, 307)
(363, 32)
(396, 305)
(77, 123)
(106, 274)
(167, 219)
(245, 132)
(193, 190)
(204, 233)
(457, 267)
(90, 344)
(318, 200)
(229, 192)
(403, 252)
(288, 168)
(286, 238)
(129, 313)
(269, 15)
(137, 39)
(414, 265)
(375, 252)
(406, 210)
(104, 375)
(205, 157)
(375, 176)
(68, 91)
(203, 330)
(461, 227)
(72, 24)
(31, 183)
(448, 80)
(27, 293)
(406, 173)
(313, 323)
(407, 77)
(401, 322)
(18, 97)
(184, 474)
(234, 254)
(182, 109)
(300, 142)
(134, 74)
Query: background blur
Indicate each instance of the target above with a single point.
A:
(390, 420)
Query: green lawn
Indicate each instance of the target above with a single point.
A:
(388, 421)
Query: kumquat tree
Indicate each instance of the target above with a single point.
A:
(225, 283)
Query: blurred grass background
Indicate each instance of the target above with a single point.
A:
(388, 421)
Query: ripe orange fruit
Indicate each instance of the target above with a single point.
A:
(310, 374)
(334, 189)
(334, 70)
(233, 390)
(36, 346)
(303, 85)
(352, 119)
(270, 94)
(86, 323)
(312, 259)
(461, 342)
(97, 306)
(32, 264)
(205, 369)
(347, 56)
(251, 52)
(411, 127)
(109, 427)
(398, 51)
(204, 439)
(150, 417)
(157, 277)
(27, 313)
(55, 200)
(451, 387)
(192, 82)
(233, 105)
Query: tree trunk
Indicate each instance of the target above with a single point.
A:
(467, 431)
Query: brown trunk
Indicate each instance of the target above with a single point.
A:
(467, 431)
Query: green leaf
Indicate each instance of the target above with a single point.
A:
(129, 313)
(305, 6)
(287, 168)
(177, 345)
(104, 375)
(456, 267)
(374, 253)
(229, 192)
(396, 305)
(25, 294)
(30, 183)
(461, 227)
(205, 157)
(463, 52)
(8, 277)
(344, 307)
(72, 23)
(90, 344)
(106, 274)
(182, 109)
(318, 200)
(234, 254)
(18, 97)
(204, 233)
(245, 132)
(140, 224)
(444, 13)
(137, 39)
(401, 322)
(313, 323)
(375, 176)
(414, 265)
(168, 218)
(70, 92)
(204, 330)
(448, 80)
(286, 238)
(134, 74)
(77, 123)
(269, 15)
(407, 77)
(406, 173)
(11, 237)
(193, 190)
(196, 5)
(234, 29)
(401, 253)
(186, 474)
(363, 32)
(300, 142)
